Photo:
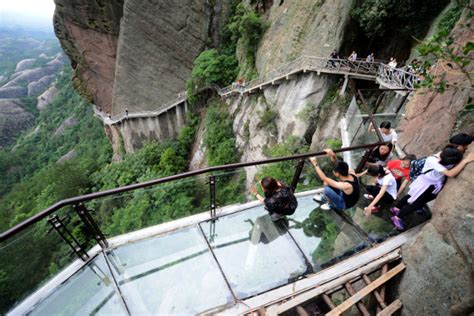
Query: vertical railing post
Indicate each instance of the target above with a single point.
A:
(403, 102)
(87, 219)
(212, 196)
(363, 161)
(67, 236)
(297, 174)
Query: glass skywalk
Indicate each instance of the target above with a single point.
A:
(207, 266)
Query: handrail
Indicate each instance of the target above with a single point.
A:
(91, 196)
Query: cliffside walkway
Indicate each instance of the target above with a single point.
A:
(393, 78)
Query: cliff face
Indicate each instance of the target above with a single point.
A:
(132, 54)
(431, 116)
(88, 32)
(305, 27)
(439, 261)
(158, 43)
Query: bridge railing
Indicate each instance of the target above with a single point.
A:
(309, 63)
(397, 77)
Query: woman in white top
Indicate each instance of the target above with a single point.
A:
(429, 183)
(385, 189)
(353, 56)
(388, 134)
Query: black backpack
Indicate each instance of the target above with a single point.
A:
(416, 166)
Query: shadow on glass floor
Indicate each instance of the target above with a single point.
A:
(324, 236)
(255, 253)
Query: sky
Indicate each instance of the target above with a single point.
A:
(36, 13)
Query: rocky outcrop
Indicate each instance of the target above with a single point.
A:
(68, 156)
(45, 98)
(13, 120)
(36, 87)
(305, 27)
(24, 64)
(31, 75)
(13, 92)
(70, 121)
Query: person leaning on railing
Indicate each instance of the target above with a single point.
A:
(430, 182)
(342, 194)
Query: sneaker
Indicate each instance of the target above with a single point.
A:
(275, 217)
(319, 198)
(369, 197)
(326, 207)
(397, 222)
(395, 210)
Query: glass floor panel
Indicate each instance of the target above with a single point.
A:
(255, 254)
(322, 235)
(88, 292)
(378, 225)
(169, 274)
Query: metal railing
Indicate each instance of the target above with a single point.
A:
(78, 201)
(397, 77)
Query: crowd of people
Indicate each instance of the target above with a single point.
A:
(389, 179)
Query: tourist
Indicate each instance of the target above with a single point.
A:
(353, 56)
(385, 189)
(279, 199)
(334, 55)
(400, 169)
(380, 155)
(392, 63)
(388, 134)
(461, 141)
(429, 183)
(370, 58)
(342, 194)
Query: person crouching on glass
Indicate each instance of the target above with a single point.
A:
(278, 198)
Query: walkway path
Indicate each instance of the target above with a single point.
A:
(394, 78)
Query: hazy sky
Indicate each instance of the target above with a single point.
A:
(28, 12)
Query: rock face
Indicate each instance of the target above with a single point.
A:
(88, 32)
(137, 55)
(45, 98)
(437, 271)
(158, 43)
(291, 100)
(305, 27)
(13, 120)
(132, 134)
(431, 116)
